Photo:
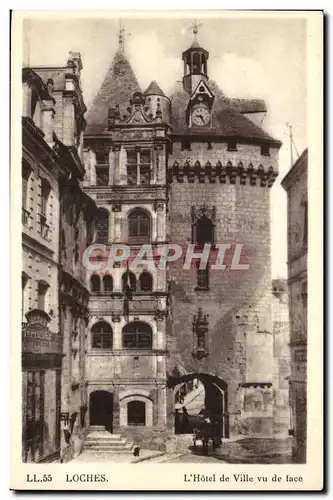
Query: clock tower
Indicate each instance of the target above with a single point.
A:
(195, 83)
(195, 64)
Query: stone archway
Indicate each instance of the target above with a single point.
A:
(101, 409)
(216, 396)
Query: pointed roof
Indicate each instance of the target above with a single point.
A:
(118, 86)
(154, 89)
(228, 117)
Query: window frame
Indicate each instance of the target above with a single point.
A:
(232, 145)
(133, 281)
(42, 289)
(136, 169)
(102, 172)
(107, 277)
(108, 334)
(143, 406)
(195, 226)
(137, 334)
(26, 173)
(150, 278)
(105, 237)
(94, 289)
(44, 197)
(141, 218)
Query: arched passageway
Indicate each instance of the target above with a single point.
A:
(215, 399)
(101, 409)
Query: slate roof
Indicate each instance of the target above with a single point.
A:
(118, 86)
(227, 121)
(154, 89)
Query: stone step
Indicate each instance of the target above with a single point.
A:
(92, 442)
(122, 448)
(107, 445)
(105, 453)
(103, 436)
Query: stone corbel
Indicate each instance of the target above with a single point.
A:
(116, 207)
(271, 176)
(180, 174)
(159, 315)
(191, 175)
(242, 173)
(223, 175)
(231, 172)
(158, 206)
(252, 174)
(115, 317)
(201, 176)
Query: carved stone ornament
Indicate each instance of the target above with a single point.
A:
(116, 207)
(159, 315)
(115, 317)
(204, 210)
(158, 206)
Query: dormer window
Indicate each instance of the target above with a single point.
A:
(186, 146)
(232, 145)
(264, 151)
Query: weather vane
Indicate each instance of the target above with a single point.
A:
(195, 29)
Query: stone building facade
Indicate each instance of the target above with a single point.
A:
(193, 168)
(41, 339)
(57, 226)
(296, 185)
(281, 367)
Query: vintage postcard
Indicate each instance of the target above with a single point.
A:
(167, 326)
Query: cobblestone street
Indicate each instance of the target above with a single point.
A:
(243, 451)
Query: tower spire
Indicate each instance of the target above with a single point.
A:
(121, 37)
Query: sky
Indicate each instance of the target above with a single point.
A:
(248, 58)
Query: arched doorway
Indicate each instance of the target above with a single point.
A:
(101, 409)
(215, 397)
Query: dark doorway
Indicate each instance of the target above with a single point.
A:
(101, 409)
(216, 400)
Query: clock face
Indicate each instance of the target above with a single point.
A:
(201, 116)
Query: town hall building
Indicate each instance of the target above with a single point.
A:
(190, 168)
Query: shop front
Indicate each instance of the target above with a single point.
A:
(41, 371)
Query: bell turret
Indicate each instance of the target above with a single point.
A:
(195, 64)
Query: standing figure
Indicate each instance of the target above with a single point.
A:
(186, 427)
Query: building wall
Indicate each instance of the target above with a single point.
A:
(55, 123)
(239, 340)
(281, 374)
(295, 183)
(41, 345)
(40, 250)
(129, 374)
(74, 297)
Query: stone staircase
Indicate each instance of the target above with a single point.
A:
(99, 440)
(194, 400)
